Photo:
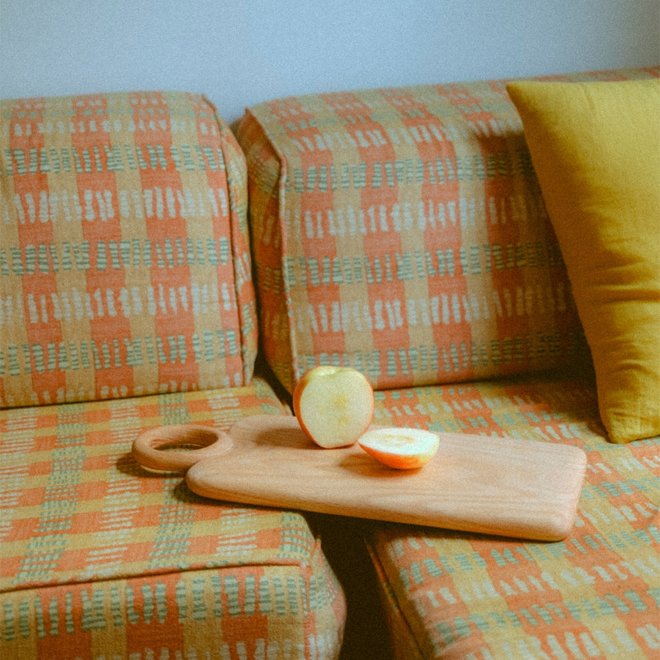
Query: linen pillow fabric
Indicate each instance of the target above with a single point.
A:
(596, 149)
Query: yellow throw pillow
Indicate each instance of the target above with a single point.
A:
(596, 150)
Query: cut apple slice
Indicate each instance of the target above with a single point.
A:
(334, 405)
(400, 448)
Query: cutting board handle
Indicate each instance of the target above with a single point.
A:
(148, 447)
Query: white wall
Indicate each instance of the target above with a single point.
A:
(242, 52)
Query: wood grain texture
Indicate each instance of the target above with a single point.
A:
(507, 487)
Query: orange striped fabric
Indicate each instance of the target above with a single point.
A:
(402, 232)
(100, 558)
(455, 595)
(124, 257)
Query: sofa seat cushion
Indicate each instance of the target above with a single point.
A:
(458, 595)
(100, 557)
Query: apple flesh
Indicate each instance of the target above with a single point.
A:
(334, 405)
(401, 448)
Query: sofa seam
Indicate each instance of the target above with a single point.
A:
(282, 179)
(234, 228)
(301, 564)
(381, 574)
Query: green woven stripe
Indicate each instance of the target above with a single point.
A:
(193, 597)
(150, 157)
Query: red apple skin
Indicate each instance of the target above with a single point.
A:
(321, 372)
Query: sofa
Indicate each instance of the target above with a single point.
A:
(159, 268)
(128, 304)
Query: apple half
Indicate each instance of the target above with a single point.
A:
(334, 405)
(401, 448)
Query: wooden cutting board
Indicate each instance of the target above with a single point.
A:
(507, 487)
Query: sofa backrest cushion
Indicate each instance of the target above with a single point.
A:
(402, 232)
(124, 260)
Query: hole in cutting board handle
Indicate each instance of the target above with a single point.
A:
(195, 438)
(154, 448)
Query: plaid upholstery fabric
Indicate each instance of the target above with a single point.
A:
(124, 263)
(402, 232)
(454, 595)
(102, 559)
